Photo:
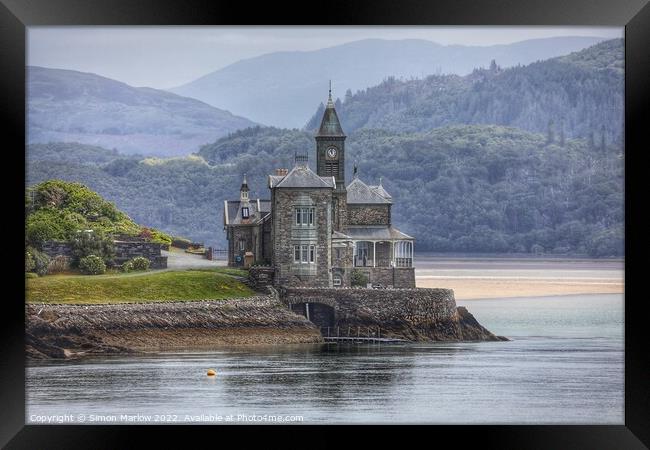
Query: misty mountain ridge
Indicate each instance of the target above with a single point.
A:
(72, 106)
(577, 95)
(278, 88)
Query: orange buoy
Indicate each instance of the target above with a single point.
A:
(211, 372)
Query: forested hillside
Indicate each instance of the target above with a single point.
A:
(459, 188)
(281, 88)
(575, 96)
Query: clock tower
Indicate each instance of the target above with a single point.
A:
(330, 160)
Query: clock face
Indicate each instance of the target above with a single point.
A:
(331, 152)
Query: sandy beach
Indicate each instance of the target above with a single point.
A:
(504, 278)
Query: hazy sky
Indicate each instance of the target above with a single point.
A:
(164, 57)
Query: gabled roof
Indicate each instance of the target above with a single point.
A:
(379, 189)
(258, 209)
(301, 177)
(360, 192)
(330, 124)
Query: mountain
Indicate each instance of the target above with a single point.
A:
(70, 106)
(281, 88)
(460, 188)
(577, 95)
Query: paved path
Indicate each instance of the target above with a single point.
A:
(178, 259)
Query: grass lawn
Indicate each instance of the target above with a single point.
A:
(188, 285)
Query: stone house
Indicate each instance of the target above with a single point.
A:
(316, 230)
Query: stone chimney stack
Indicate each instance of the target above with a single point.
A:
(281, 172)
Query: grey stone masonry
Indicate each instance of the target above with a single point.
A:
(368, 214)
(413, 314)
(124, 251)
(261, 276)
(286, 234)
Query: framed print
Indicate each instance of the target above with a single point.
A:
(417, 215)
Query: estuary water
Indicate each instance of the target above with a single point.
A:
(564, 365)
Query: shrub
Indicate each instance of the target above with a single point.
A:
(92, 265)
(92, 243)
(30, 264)
(31, 275)
(40, 259)
(140, 263)
(146, 234)
(127, 267)
(58, 264)
(359, 278)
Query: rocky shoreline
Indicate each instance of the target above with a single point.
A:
(68, 331)
(63, 331)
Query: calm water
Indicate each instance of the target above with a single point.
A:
(564, 365)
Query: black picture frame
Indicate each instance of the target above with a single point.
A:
(16, 15)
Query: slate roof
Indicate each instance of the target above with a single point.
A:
(301, 177)
(330, 124)
(258, 209)
(381, 191)
(376, 233)
(360, 192)
(339, 235)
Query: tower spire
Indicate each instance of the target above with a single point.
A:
(330, 102)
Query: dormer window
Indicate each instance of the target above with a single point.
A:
(244, 212)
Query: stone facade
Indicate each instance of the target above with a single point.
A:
(368, 215)
(286, 235)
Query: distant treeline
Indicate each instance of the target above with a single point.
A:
(459, 188)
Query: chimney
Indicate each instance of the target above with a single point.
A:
(281, 172)
(301, 160)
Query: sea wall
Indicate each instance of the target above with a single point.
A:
(412, 314)
(61, 331)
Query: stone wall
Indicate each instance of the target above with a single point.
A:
(261, 276)
(124, 250)
(414, 314)
(368, 214)
(56, 248)
(393, 277)
(411, 314)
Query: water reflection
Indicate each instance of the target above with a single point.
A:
(550, 375)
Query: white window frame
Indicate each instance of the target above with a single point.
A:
(245, 212)
(304, 253)
(304, 217)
